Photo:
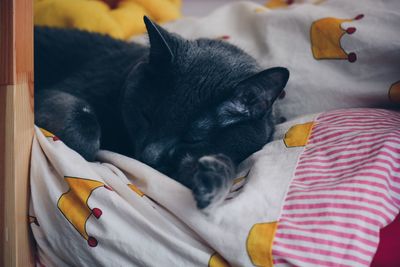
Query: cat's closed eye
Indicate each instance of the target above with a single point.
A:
(200, 130)
(146, 117)
(192, 139)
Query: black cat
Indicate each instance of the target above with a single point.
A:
(191, 109)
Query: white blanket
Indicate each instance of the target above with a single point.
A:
(324, 209)
(120, 212)
(315, 40)
(81, 222)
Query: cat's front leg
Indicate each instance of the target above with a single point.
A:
(70, 118)
(210, 178)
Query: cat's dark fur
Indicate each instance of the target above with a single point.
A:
(191, 109)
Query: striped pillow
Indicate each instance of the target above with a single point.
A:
(346, 187)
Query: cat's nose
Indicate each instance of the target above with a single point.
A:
(155, 153)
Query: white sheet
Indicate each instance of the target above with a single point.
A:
(282, 37)
(146, 230)
(77, 221)
(327, 207)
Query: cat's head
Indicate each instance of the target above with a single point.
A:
(191, 98)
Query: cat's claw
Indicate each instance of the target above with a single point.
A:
(212, 180)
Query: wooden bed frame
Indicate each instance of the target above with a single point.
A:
(16, 130)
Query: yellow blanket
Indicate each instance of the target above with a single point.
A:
(118, 18)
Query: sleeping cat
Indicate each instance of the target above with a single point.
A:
(191, 109)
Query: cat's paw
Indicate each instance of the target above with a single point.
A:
(212, 180)
(70, 118)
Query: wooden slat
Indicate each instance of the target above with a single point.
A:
(16, 129)
(7, 67)
(2, 159)
(24, 43)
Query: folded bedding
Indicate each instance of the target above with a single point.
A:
(316, 195)
(340, 53)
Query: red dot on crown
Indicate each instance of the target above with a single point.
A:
(97, 212)
(107, 187)
(92, 242)
(351, 30)
(289, 2)
(359, 16)
(352, 57)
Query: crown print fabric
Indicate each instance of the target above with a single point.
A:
(117, 212)
(316, 195)
(341, 53)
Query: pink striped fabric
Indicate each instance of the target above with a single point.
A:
(345, 188)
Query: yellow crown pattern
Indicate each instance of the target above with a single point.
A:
(49, 134)
(135, 189)
(298, 134)
(259, 243)
(326, 34)
(275, 4)
(74, 205)
(394, 92)
(216, 260)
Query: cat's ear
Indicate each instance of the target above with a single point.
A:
(254, 96)
(160, 50)
(269, 83)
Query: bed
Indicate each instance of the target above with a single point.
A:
(366, 77)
